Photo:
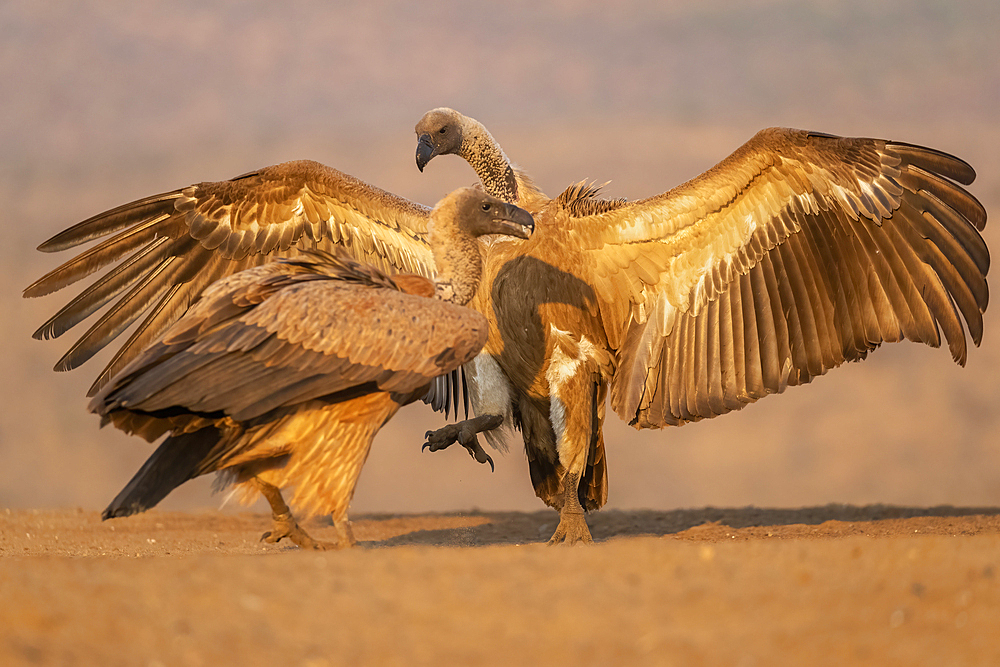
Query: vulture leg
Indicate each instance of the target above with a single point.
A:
(285, 524)
(572, 528)
(464, 433)
(577, 397)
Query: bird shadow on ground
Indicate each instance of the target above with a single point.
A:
(474, 529)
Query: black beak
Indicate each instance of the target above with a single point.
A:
(513, 221)
(425, 151)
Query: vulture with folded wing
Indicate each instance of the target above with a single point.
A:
(282, 374)
(798, 252)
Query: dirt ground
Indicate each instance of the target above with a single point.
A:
(831, 585)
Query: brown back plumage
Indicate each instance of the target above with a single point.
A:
(293, 331)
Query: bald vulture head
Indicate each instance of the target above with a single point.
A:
(470, 211)
(455, 224)
(445, 131)
(440, 132)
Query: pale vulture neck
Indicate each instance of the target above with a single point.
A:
(457, 261)
(484, 154)
(459, 268)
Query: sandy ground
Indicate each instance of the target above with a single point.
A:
(829, 585)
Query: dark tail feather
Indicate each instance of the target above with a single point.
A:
(445, 390)
(174, 462)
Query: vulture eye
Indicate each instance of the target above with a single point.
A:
(443, 130)
(486, 206)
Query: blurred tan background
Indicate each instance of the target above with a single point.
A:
(103, 103)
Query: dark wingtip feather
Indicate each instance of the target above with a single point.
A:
(939, 162)
(465, 396)
(43, 332)
(113, 512)
(141, 240)
(174, 462)
(110, 221)
(99, 383)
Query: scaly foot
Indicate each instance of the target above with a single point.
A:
(572, 529)
(285, 525)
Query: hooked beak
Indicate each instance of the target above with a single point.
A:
(425, 151)
(513, 221)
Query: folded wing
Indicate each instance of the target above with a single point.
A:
(284, 334)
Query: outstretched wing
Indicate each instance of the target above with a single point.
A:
(276, 337)
(166, 249)
(797, 253)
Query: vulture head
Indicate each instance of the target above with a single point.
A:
(455, 224)
(470, 212)
(439, 132)
(445, 131)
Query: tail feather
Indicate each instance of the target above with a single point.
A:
(174, 462)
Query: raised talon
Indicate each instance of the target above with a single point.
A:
(442, 438)
(463, 434)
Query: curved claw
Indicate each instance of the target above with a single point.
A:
(477, 452)
(288, 527)
(443, 437)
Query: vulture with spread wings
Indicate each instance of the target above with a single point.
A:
(798, 252)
